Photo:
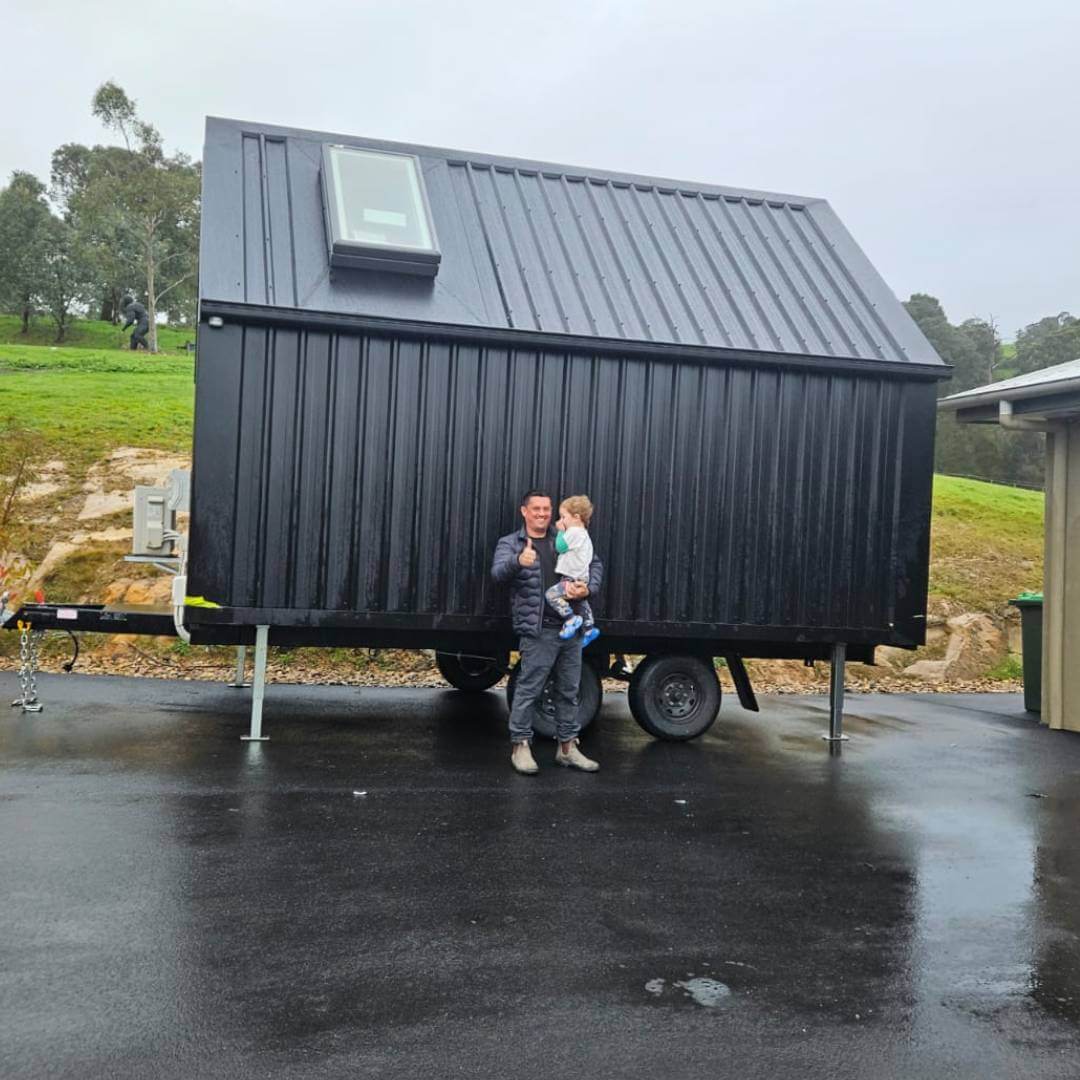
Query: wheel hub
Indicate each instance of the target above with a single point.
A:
(677, 696)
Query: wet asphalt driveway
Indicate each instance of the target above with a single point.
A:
(176, 903)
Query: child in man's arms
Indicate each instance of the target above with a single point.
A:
(575, 553)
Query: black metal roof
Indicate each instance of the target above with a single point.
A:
(550, 249)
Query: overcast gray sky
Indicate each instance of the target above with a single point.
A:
(944, 133)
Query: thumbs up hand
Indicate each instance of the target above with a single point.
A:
(528, 555)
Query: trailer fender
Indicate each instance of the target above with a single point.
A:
(739, 676)
(472, 673)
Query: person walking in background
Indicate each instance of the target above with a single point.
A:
(525, 561)
(135, 314)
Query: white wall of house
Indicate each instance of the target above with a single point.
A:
(1061, 581)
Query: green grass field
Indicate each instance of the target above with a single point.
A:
(86, 334)
(85, 402)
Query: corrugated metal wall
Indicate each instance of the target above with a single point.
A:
(337, 472)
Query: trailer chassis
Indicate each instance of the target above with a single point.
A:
(674, 699)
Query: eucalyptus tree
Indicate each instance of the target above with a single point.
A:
(68, 279)
(25, 219)
(99, 225)
(1052, 340)
(135, 203)
(974, 351)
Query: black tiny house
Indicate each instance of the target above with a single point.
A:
(396, 341)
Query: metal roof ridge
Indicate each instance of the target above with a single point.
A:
(475, 157)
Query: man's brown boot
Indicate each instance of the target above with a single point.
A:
(575, 759)
(522, 760)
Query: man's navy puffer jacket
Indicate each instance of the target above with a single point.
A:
(526, 582)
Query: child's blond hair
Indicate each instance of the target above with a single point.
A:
(578, 505)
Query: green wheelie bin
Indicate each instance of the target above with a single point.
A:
(1031, 605)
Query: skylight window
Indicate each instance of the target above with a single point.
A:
(377, 211)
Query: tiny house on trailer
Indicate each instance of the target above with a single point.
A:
(396, 341)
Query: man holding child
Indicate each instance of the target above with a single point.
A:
(526, 560)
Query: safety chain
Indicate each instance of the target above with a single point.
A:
(29, 642)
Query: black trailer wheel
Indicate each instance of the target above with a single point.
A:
(590, 698)
(471, 673)
(675, 697)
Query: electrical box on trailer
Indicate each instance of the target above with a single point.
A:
(155, 522)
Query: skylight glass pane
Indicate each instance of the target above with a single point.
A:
(378, 199)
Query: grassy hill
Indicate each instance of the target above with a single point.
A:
(986, 542)
(87, 334)
(86, 402)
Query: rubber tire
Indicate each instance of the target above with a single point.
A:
(679, 721)
(590, 698)
(469, 674)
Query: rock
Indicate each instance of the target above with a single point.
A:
(149, 591)
(106, 536)
(793, 676)
(110, 483)
(931, 670)
(976, 643)
(49, 479)
(31, 492)
(114, 591)
(118, 645)
(890, 657)
(156, 468)
(101, 503)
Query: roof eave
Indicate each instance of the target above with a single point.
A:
(261, 314)
(971, 399)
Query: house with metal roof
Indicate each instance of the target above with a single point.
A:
(1049, 401)
(395, 341)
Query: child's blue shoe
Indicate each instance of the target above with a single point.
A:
(570, 627)
(589, 637)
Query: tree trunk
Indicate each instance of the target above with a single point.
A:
(25, 316)
(108, 310)
(151, 299)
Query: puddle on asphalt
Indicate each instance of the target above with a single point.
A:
(708, 993)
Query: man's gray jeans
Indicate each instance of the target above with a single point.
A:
(540, 657)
